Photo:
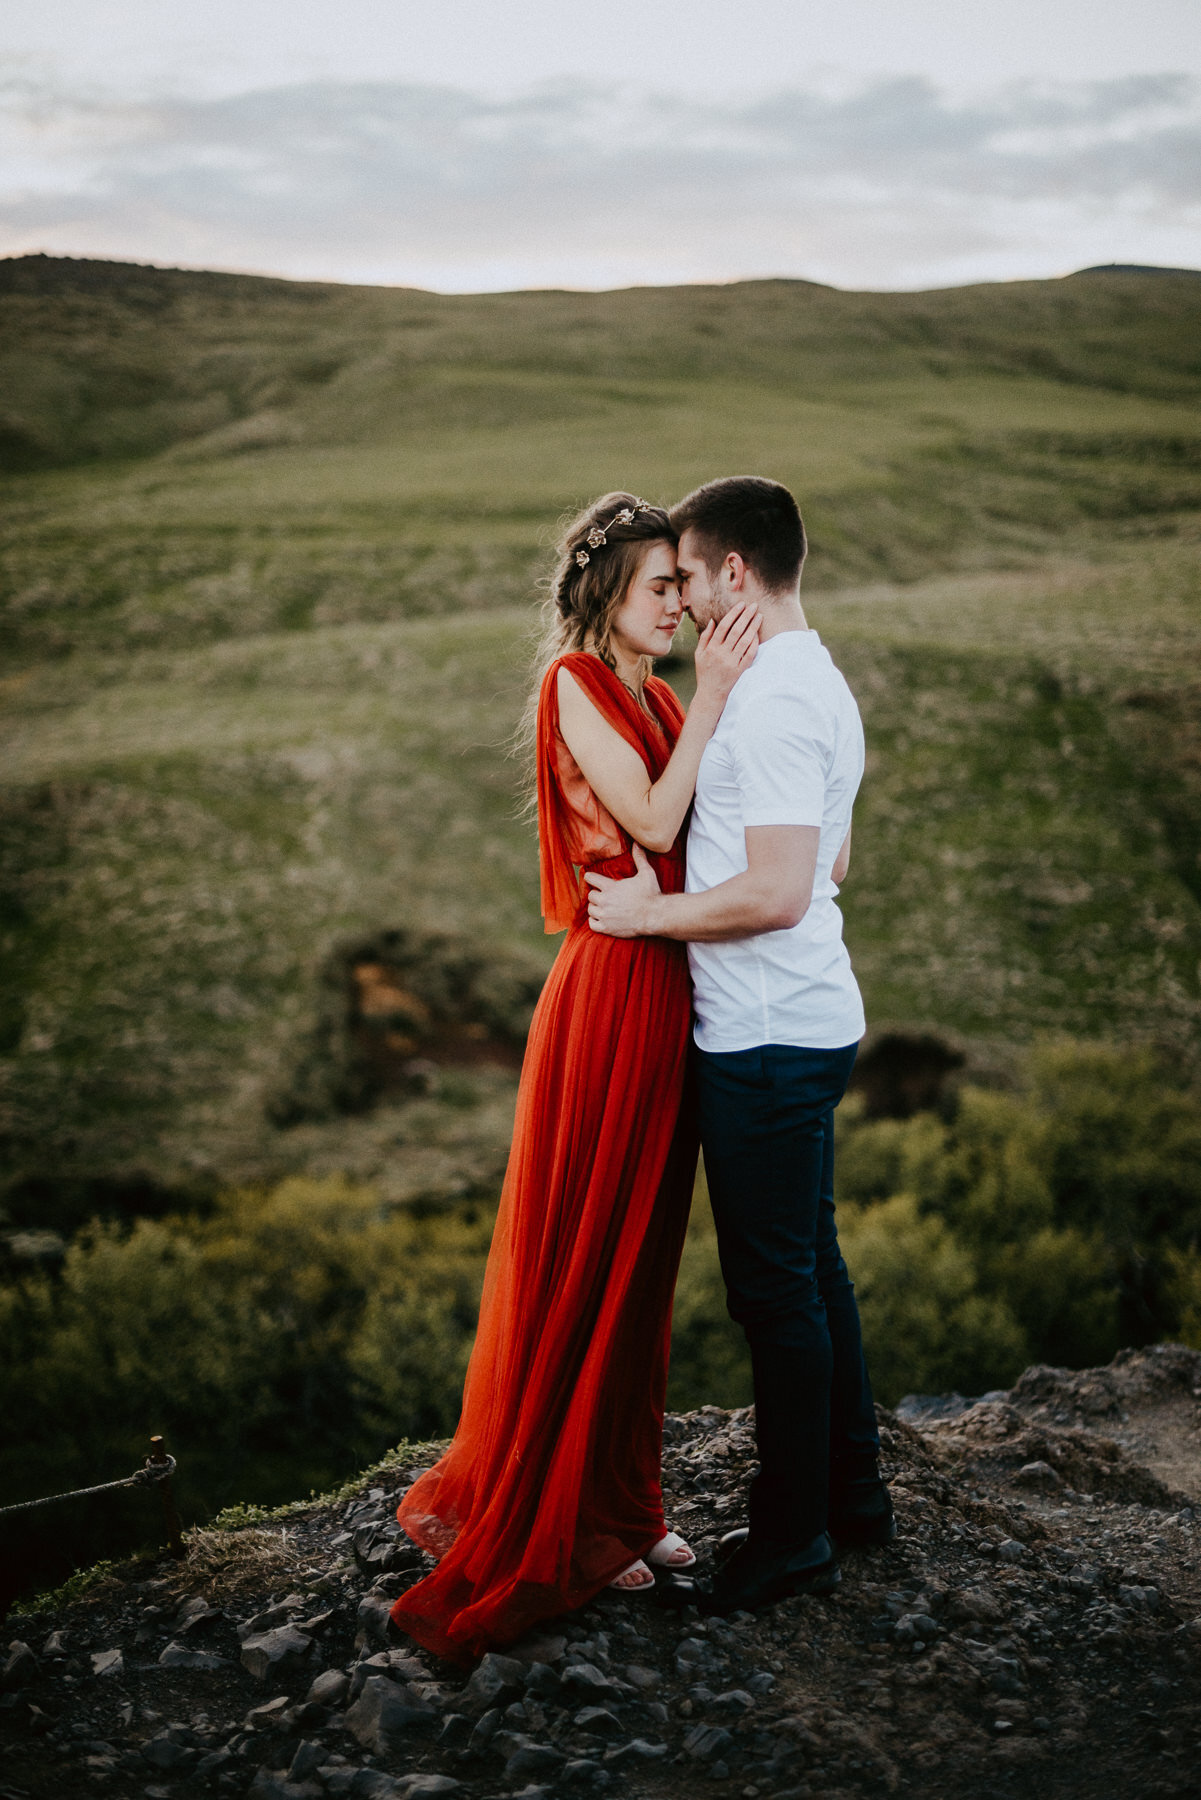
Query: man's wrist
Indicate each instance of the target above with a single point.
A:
(652, 921)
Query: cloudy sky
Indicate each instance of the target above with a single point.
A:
(458, 145)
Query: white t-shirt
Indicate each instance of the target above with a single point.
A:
(788, 750)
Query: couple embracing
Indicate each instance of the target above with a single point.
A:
(703, 987)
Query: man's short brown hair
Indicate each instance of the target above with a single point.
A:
(756, 518)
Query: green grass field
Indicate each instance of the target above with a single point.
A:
(270, 555)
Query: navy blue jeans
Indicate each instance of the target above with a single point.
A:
(767, 1131)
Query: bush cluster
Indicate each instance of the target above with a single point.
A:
(1055, 1223)
(280, 1343)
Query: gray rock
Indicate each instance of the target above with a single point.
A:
(586, 1678)
(485, 1730)
(426, 1787)
(382, 1548)
(1005, 1677)
(55, 1645)
(637, 1750)
(182, 1656)
(214, 1762)
(261, 1718)
(338, 1776)
(283, 1614)
(734, 1700)
(456, 1729)
(435, 1694)
(108, 1662)
(317, 1622)
(975, 1606)
(281, 1652)
(692, 1656)
(385, 1715)
(20, 1666)
(362, 1784)
(645, 1680)
(496, 1681)
(533, 1759)
(761, 1682)
(371, 1621)
(407, 1667)
(164, 1752)
(1010, 1550)
(1039, 1475)
(192, 1608)
(542, 1680)
(704, 1742)
(917, 1626)
(307, 1760)
(579, 1769)
(379, 1664)
(599, 1718)
(329, 1689)
(271, 1785)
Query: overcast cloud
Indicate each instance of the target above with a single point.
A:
(889, 184)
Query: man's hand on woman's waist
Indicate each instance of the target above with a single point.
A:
(772, 893)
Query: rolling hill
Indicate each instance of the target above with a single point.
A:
(269, 555)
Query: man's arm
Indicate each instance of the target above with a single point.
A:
(771, 894)
(842, 861)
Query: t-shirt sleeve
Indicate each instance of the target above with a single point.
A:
(781, 758)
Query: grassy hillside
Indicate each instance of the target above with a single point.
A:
(234, 455)
(268, 551)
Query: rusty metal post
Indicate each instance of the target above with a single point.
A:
(158, 1454)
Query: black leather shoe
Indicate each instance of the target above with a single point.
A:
(865, 1521)
(764, 1571)
(674, 1591)
(733, 1540)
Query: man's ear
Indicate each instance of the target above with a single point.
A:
(737, 571)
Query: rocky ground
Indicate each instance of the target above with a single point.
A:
(1035, 1631)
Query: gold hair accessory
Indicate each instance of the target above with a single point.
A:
(596, 537)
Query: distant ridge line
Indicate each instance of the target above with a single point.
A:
(1133, 269)
(34, 271)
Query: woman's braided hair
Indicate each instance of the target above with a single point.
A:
(597, 557)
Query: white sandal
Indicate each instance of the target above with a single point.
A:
(639, 1587)
(662, 1553)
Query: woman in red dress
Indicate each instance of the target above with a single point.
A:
(550, 1488)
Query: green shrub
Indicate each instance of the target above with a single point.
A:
(279, 1344)
(927, 1327)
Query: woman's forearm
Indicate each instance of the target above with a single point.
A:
(651, 811)
(668, 799)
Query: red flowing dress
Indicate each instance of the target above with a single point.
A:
(550, 1487)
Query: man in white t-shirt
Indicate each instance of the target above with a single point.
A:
(778, 1022)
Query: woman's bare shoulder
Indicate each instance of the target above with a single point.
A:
(579, 672)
